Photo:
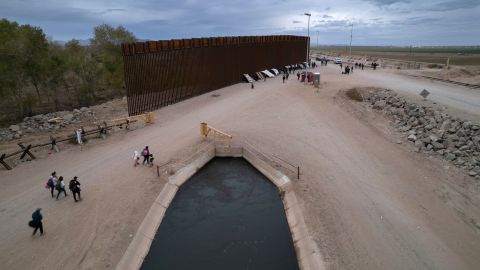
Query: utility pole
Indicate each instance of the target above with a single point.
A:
(317, 39)
(351, 36)
(308, 33)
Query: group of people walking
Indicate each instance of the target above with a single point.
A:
(348, 70)
(147, 157)
(58, 184)
(359, 65)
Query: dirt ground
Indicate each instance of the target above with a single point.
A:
(469, 74)
(369, 202)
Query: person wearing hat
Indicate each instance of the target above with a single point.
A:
(74, 186)
(37, 221)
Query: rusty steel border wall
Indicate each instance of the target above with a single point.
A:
(159, 73)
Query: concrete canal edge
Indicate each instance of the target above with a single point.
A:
(308, 254)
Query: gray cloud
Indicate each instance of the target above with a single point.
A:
(387, 2)
(115, 9)
(454, 5)
(418, 21)
(381, 21)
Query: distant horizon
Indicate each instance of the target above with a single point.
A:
(312, 45)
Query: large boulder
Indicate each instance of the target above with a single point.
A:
(68, 117)
(14, 128)
(437, 145)
(412, 137)
(450, 157)
(380, 105)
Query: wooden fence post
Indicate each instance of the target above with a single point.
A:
(2, 161)
(26, 150)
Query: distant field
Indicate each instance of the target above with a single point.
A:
(462, 56)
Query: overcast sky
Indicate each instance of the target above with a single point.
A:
(375, 22)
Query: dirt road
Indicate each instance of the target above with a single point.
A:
(368, 202)
(458, 98)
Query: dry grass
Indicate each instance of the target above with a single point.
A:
(353, 94)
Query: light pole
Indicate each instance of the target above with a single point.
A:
(308, 33)
(351, 35)
(317, 38)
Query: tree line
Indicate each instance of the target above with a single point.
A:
(38, 74)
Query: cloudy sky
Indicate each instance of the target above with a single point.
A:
(375, 22)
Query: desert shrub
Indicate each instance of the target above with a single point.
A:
(353, 94)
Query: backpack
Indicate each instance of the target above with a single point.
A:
(59, 185)
(50, 182)
(145, 152)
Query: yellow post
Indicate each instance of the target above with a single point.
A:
(203, 129)
(150, 117)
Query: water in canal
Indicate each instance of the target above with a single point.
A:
(227, 216)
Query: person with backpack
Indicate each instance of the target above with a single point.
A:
(36, 221)
(74, 186)
(52, 182)
(145, 154)
(61, 187)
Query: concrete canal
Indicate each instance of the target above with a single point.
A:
(227, 216)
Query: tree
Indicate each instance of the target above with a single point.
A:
(8, 56)
(34, 68)
(12, 74)
(106, 46)
(34, 55)
(23, 51)
(86, 71)
(57, 68)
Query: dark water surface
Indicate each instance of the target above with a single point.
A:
(227, 216)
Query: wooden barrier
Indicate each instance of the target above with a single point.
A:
(205, 129)
(25, 150)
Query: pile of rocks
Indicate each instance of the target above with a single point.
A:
(432, 131)
(41, 123)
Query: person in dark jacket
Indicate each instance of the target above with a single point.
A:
(37, 221)
(74, 186)
(145, 154)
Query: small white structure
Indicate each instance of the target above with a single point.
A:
(79, 136)
(316, 79)
(248, 78)
(275, 71)
(268, 73)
